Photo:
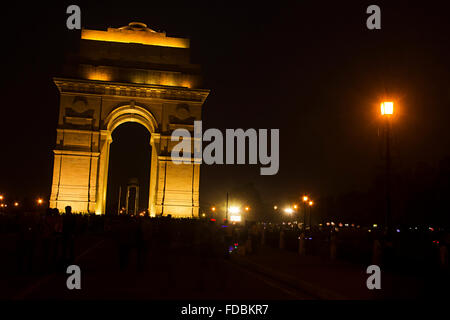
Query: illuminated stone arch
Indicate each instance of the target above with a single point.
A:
(131, 113)
(96, 98)
(124, 114)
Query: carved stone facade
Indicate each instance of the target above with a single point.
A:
(108, 83)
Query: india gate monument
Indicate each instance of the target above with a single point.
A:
(127, 74)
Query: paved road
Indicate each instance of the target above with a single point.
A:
(180, 275)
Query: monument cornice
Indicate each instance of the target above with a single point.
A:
(134, 90)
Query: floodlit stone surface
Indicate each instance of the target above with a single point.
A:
(106, 84)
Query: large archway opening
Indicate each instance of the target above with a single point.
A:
(129, 164)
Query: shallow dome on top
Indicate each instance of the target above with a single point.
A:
(137, 26)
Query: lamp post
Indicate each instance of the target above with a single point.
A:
(305, 200)
(387, 110)
(310, 208)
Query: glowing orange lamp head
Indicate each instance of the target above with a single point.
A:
(387, 108)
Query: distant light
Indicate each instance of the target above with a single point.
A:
(275, 207)
(247, 208)
(40, 201)
(398, 230)
(305, 198)
(1, 197)
(369, 230)
(431, 229)
(340, 224)
(387, 107)
(311, 203)
(234, 209)
(295, 206)
(16, 204)
(346, 224)
(213, 208)
(235, 218)
(213, 219)
(327, 223)
(375, 225)
(332, 223)
(288, 210)
(203, 215)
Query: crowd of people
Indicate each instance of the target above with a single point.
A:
(47, 240)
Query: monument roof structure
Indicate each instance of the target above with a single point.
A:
(133, 54)
(135, 32)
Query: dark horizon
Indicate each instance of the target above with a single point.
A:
(313, 71)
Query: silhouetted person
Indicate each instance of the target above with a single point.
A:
(68, 236)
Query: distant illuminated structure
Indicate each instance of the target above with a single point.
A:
(128, 74)
(133, 184)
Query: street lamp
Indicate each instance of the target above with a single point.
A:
(1, 197)
(310, 208)
(387, 109)
(275, 207)
(305, 199)
(247, 209)
(40, 201)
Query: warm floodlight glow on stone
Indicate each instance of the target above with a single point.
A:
(135, 32)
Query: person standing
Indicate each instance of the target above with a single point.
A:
(68, 233)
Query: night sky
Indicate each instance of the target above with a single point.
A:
(312, 70)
